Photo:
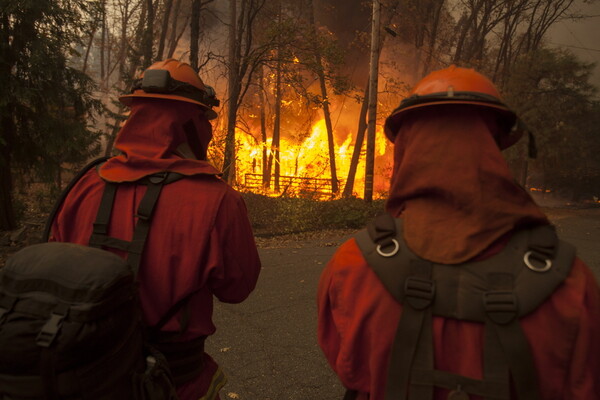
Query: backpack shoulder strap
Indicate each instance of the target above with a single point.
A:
(496, 292)
(380, 245)
(145, 210)
(65, 193)
(535, 258)
(135, 248)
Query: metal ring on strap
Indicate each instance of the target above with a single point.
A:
(391, 253)
(534, 268)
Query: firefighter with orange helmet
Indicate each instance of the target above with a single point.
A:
(199, 245)
(463, 289)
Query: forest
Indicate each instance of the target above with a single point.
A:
(293, 78)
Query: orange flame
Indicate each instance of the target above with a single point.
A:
(309, 159)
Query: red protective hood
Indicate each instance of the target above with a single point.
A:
(452, 186)
(149, 139)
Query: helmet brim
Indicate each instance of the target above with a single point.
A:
(127, 99)
(393, 122)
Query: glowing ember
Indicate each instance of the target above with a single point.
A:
(532, 189)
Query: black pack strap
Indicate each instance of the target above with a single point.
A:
(419, 292)
(135, 247)
(496, 291)
(501, 309)
(501, 306)
(350, 395)
(417, 309)
(382, 232)
(518, 354)
(387, 268)
(48, 373)
(100, 227)
(523, 256)
(144, 214)
(495, 390)
(45, 338)
(495, 367)
(65, 193)
(52, 327)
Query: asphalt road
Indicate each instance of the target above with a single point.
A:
(267, 345)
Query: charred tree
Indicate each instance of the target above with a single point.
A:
(233, 91)
(176, 31)
(360, 137)
(194, 33)
(372, 111)
(147, 44)
(362, 121)
(266, 172)
(165, 27)
(275, 147)
(325, 102)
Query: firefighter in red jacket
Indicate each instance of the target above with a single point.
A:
(200, 243)
(458, 203)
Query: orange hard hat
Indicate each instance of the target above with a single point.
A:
(455, 85)
(174, 80)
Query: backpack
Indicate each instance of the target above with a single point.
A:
(496, 292)
(70, 320)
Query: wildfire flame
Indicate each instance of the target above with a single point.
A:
(309, 159)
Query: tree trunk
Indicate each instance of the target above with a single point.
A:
(194, 33)
(360, 137)
(103, 85)
(165, 28)
(326, 113)
(277, 125)
(173, 37)
(362, 120)
(229, 159)
(266, 173)
(372, 111)
(148, 35)
(433, 36)
(89, 47)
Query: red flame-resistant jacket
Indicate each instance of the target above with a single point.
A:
(358, 320)
(458, 202)
(200, 242)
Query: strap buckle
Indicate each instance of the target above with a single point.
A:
(531, 255)
(51, 328)
(500, 306)
(391, 253)
(419, 292)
